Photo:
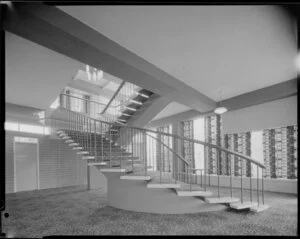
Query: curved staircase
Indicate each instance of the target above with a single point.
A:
(130, 177)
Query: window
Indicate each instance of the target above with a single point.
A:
(199, 134)
(26, 140)
(11, 126)
(257, 151)
(26, 128)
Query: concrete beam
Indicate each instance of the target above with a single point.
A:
(267, 94)
(58, 31)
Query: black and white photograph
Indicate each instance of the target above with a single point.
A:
(149, 119)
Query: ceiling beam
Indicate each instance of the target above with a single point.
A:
(60, 32)
(260, 96)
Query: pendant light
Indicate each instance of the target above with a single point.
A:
(220, 110)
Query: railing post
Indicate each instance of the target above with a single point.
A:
(145, 152)
(132, 136)
(95, 139)
(241, 180)
(257, 186)
(109, 149)
(262, 186)
(230, 159)
(205, 169)
(121, 145)
(218, 170)
(250, 183)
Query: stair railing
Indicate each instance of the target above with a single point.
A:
(134, 140)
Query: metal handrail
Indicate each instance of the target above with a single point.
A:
(113, 97)
(179, 156)
(191, 140)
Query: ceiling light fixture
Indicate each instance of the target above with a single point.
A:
(220, 110)
(125, 114)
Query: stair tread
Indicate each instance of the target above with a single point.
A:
(163, 185)
(259, 208)
(193, 193)
(245, 204)
(133, 177)
(222, 200)
(97, 163)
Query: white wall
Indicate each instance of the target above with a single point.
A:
(273, 114)
(35, 75)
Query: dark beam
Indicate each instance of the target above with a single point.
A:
(60, 32)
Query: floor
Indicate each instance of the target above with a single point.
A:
(76, 211)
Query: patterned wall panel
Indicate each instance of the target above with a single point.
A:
(188, 147)
(240, 143)
(280, 152)
(213, 136)
(164, 157)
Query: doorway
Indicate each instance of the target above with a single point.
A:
(26, 160)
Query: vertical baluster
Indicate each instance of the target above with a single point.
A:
(131, 134)
(102, 153)
(205, 169)
(95, 140)
(145, 151)
(121, 144)
(250, 183)
(262, 186)
(257, 186)
(109, 147)
(90, 134)
(160, 156)
(230, 177)
(218, 170)
(241, 160)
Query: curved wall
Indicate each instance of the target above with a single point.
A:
(133, 195)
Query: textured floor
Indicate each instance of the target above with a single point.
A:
(76, 211)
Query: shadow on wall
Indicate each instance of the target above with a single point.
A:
(97, 179)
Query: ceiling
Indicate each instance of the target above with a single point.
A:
(227, 49)
(171, 109)
(35, 75)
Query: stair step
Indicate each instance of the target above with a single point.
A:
(239, 205)
(66, 137)
(194, 193)
(132, 177)
(259, 208)
(69, 141)
(163, 185)
(97, 163)
(82, 152)
(60, 132)
(62, 135)
(74, 144)
(221, 200)
(77, 148)
(88, 157)
(113, 170)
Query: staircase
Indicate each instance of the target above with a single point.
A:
(123, 150)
